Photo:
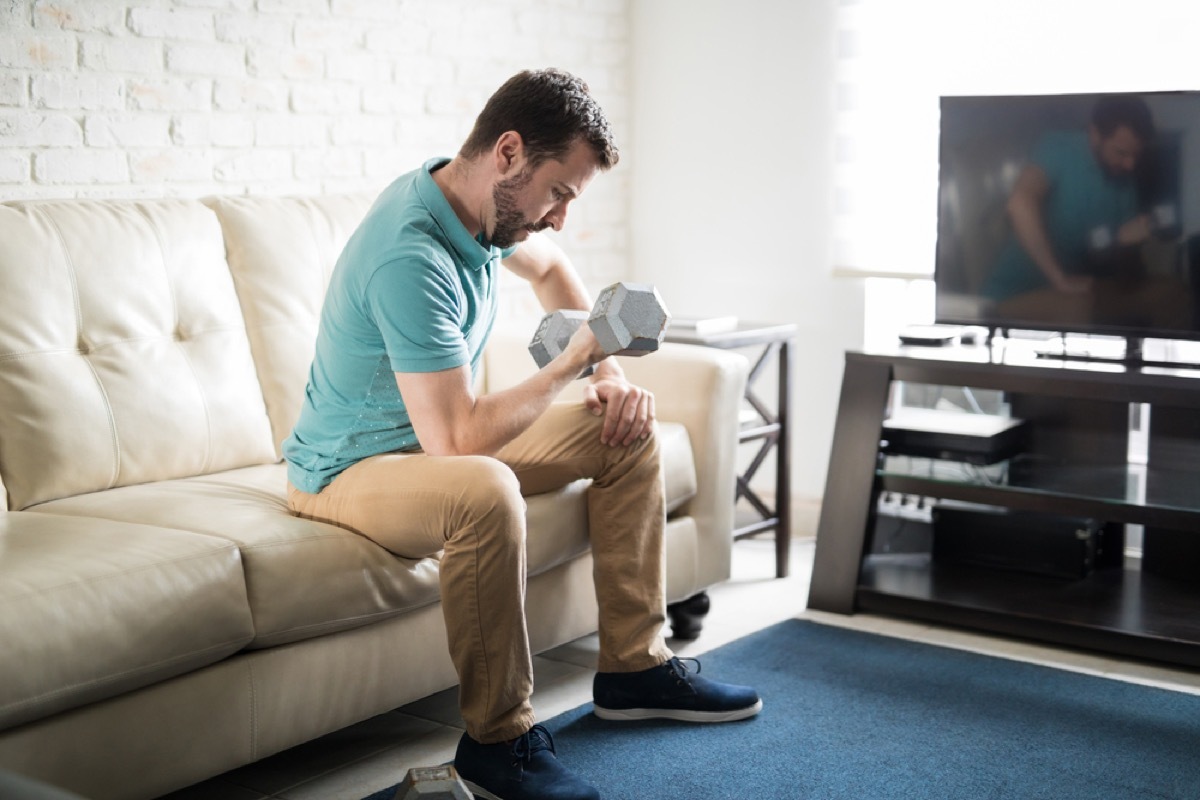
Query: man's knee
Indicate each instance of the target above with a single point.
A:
(490, 494)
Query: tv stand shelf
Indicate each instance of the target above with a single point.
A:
(1172, 497)
(1075, 464)
(1093, 613)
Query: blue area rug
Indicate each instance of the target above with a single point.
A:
(865, 717)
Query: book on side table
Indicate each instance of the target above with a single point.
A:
(702, 326)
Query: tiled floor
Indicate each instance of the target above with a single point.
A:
(375, 754)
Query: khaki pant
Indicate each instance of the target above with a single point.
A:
(472, 509)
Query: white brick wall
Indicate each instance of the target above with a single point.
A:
(145, 98)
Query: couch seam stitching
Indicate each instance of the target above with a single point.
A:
(127, 571)
(391, 612)
(26, 702)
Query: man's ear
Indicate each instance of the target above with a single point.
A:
(509, 153)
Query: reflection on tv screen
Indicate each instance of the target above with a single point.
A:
(1076, 213)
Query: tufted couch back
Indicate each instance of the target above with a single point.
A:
(281, 253)
(124, 356)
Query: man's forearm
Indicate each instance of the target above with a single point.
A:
(450, 420)
(496, 419)
(1031, 234)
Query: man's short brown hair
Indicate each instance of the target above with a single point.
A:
(550, 109)
(1123, 110)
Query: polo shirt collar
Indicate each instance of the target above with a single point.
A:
(470, 252)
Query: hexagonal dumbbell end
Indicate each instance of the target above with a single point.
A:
(553, 333)
(432, 783)
(630, 319)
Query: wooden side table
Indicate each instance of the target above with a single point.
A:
(766, 426)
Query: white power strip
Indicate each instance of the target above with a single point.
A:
(908, 507)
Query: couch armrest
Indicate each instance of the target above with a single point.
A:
(700, 387)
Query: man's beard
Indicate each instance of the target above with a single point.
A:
(509, 220)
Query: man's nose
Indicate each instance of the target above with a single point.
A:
(557, 217)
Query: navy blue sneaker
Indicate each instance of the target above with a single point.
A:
(524, 769)
(670, 691)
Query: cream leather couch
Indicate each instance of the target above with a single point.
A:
(162, 617)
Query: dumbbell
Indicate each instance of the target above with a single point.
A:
(432, 783)
(629, 319)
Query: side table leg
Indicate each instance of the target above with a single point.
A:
(783, 465)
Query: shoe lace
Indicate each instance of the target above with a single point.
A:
(535, 739)
(680, 669)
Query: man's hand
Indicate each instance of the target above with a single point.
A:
(628, 410)
(1135, 231)
(1073, 284)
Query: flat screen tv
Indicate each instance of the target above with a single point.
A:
(1072, 213)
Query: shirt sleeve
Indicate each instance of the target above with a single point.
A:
(1052, 154)
(419, 310)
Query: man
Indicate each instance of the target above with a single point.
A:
(393, 443)
(1076, 223)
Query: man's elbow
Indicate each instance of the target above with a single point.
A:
(443, 448)
(1014, 205)
(452, 446)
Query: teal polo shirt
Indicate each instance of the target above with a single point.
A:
(413, 291)
(1082, 198)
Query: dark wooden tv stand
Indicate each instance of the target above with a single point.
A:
(1076, 463)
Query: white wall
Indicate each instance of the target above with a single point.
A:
(732, 143)
(149, 98)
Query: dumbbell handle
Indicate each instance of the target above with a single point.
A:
(553, 334)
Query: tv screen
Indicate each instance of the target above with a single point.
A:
(1073, 213)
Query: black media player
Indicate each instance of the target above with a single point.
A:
(1052, 545)
(953, 435)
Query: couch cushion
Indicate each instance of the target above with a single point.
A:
(91, 608)
(307, 578)
(281, 252)
(557, 527)
(303, 578)
(124, 356)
